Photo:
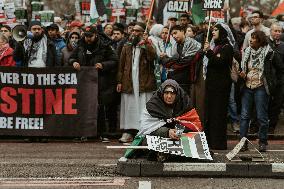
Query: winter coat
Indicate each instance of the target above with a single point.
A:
(147, 81)
(20, 54)
(101, 53)
(66, 53)
(59, 45)
(7, 58)
(273, 72)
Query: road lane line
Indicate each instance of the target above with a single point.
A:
(194, 167)
(144, 185)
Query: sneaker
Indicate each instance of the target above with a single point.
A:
(262, 147)
(236, 127)
(126, 137)
(104, 140)
(84, 139)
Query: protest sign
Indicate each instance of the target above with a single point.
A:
(48, 102)
(179, 6)
(213, 4)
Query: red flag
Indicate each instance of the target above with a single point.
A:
(190, 120)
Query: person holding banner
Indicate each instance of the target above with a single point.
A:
(6, 52)
(39, 51)
(136, 80)
(217, 63)
(72, 43)
(94, 50)
(55, 37)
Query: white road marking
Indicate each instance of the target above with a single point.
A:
(277, 167)
(194, 167)
(53, 182)
(144, 185)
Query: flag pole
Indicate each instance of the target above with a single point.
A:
(150, 15)
(127, 147)
(210, 16)
(168, 37)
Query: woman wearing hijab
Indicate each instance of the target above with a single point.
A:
(219, 56)
(169, 101)
(262, 71)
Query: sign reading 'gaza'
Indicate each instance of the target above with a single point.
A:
(213, 4)
(179, 6)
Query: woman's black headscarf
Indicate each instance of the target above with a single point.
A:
(223, 35)
(156, 106)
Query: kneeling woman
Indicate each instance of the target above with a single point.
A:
(169, 101)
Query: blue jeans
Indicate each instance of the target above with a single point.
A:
(232, 109)
(260, 97)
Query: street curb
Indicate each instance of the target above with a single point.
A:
(238, 169)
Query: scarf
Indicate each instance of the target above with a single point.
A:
(158, 109)
(190, 47)
(37, 52)
(256, 57)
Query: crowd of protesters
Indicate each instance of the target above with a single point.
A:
(133, 60)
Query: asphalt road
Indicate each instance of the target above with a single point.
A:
(91, 165)
(135, 183)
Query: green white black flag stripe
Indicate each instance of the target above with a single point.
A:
(192, 145)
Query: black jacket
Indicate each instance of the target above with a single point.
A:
(273, 72)
(20, 54)
(101, 53)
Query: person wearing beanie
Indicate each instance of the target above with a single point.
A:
(136, 81)
(36, 51)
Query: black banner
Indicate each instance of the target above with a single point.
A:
(213, 4)
(48, 101)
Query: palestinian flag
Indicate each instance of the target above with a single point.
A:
(190, 120)
(198, 15)
(193, 145)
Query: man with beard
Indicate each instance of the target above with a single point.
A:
(38, 51)
(136, 81)
(118, 39)
(95, 50)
